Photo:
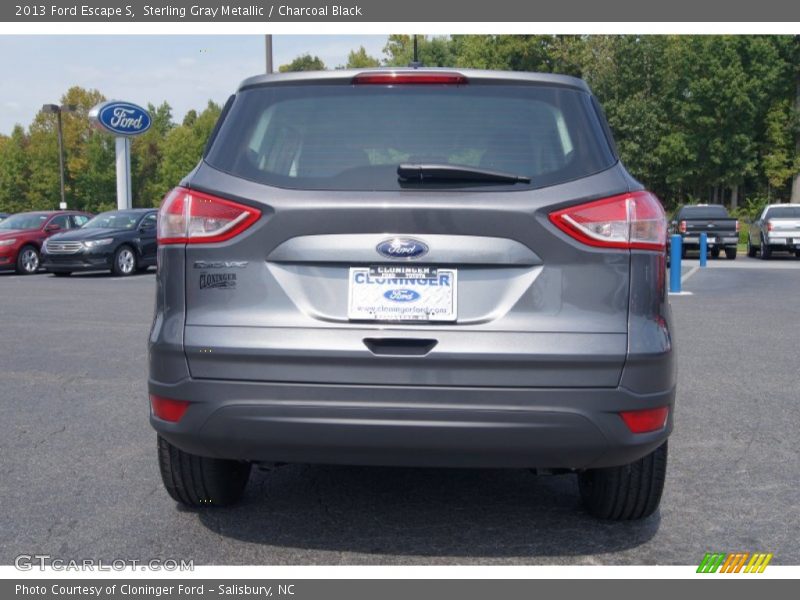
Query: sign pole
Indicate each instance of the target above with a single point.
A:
(123, 173)
(268, 49)
(124, 120)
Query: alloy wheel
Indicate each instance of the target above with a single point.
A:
(30, 260)
(126, 261)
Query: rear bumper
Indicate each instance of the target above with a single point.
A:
(788, 241)
(410, 426)
(721, 241)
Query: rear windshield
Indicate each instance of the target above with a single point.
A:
(784, 212)
(703, 212)
(353, 137)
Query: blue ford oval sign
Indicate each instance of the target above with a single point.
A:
(402, 248)
(121, 118)
(401, 295)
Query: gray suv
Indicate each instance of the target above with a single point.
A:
(414, 267)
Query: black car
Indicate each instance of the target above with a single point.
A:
(123, 241)
(721, 229)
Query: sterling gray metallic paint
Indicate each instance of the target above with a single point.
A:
(553, 338)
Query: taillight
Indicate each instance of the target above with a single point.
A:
(644, 421)
(634, 220)
(414, 77)
(191, 217)
(738, 225)
(682, 227)
(769, 225)
(168, 409)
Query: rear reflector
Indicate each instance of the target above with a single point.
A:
(191, 217)
(643, 421)
(392, 78)
(631, 221)
(168, 409)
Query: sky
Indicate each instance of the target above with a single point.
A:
(186, 71)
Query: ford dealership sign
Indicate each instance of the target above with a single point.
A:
(120, 118)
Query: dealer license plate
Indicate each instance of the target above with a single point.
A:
(402, 294)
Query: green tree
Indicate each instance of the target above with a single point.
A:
(503, 52)
(205, 123)
(626, 74)
(436, 51)
(43, 191)
(94, 183)
(85, 184)
(779, 161)
(178, 157)
(183, 147)
(14, 171)
(89, 153)
(359, 59)
(146, 155)
(304, 62)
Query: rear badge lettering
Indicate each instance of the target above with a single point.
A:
(220, 264)
(217, 281)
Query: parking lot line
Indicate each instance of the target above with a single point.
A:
(691, 272)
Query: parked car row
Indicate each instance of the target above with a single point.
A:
(124, 242)
(777, 229)
(63, 242)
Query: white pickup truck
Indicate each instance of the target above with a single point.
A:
(776, 229)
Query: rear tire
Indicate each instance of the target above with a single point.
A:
(199, 481)
(766, 251)
(27, 260)
(628, 492)
(751, 250)
(683, 251)
(730, 253)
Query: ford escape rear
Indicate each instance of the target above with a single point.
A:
(413, 267)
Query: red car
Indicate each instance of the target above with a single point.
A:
(22, 235)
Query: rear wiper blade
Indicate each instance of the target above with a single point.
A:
(444, 172)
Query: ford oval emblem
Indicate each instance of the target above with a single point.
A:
(401, 295)
(402, 248)
(121, 118)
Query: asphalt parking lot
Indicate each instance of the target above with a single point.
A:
(78, 474)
